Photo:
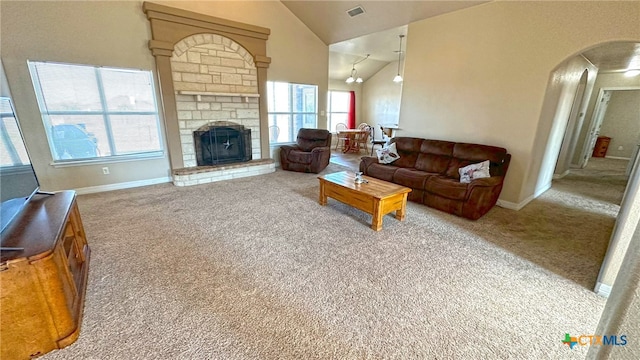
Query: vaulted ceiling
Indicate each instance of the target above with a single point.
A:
(373, 32)
(376, 30)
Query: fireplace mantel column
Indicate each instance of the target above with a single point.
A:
(162, 51)
(262, 63)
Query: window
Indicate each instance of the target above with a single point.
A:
(97, 112)
(291, 107)
(338, 108)
(12, 150)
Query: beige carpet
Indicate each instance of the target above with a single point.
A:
(254, 268)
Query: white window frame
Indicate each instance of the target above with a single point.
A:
(105, 113)
(291, 113)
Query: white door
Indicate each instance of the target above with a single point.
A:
(600, 111)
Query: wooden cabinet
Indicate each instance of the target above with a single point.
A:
(42, 287)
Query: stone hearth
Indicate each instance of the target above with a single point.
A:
(206, 174)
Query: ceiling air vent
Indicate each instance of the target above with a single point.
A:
(356, 11)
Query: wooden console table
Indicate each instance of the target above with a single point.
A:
(42, 287)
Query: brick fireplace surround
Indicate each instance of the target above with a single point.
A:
(211, 70)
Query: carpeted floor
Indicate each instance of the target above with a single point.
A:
(254, 268)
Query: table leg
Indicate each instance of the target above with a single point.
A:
(348, 144)
(376, 219)
(400, 213)
(323, 197)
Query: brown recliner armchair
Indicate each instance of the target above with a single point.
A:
(310, 154)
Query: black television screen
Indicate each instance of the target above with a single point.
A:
(18, 181)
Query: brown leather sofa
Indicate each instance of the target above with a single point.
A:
(311, 153)
(430, 168)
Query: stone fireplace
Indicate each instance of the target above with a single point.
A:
(214, 80)
(222, 142)
(213, 77)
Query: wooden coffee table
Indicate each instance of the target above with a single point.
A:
(377, 197)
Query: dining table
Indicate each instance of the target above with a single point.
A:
(350, 135)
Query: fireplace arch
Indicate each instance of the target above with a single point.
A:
(169, 27)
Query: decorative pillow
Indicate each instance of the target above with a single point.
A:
(474, 171)
(388, 154)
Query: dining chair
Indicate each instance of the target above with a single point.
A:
(362, 126)
(361, 138)
(339, 127)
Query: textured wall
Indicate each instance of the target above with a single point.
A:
(382, 99)
(622, 123)
(481, 74)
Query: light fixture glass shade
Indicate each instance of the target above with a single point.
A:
(354, 73)
(398, 78)
(632, 73)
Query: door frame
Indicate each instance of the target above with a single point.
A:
(572, 130)
(590, 136)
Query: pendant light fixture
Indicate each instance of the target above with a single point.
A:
(354, 73)
(398, 78)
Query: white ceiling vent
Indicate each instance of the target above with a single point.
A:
(356, 11)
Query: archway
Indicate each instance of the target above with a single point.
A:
(563, 91)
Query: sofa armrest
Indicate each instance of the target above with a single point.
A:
(321, 149)
(486, 182)
(366, 161)
(482, 195)
(321, 157)
(289, 147)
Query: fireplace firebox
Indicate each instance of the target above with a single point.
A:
(222, 143)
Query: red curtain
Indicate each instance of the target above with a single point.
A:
(351, 123)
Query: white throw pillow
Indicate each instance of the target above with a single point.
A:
(388, 154)
(474, 171)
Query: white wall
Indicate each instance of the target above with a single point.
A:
(117, 34)
(622, 123)
(382, 99)
(480, 74)
(4, 84)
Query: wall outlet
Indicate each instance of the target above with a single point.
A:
(620, 148)
(105, 170)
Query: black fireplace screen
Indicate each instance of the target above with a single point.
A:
(222, 144)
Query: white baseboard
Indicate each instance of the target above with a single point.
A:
(508, 205)
(517, 206)
(617, 157)
(560, 176)
(541, 190)
(602, 289)
(123, 185)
